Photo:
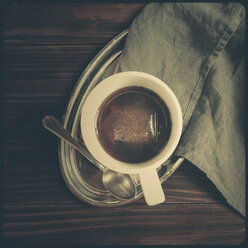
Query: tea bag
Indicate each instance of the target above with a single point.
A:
(133, 123)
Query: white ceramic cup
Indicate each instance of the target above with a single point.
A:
(146, 170)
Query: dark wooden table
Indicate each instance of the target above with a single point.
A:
(46, 46)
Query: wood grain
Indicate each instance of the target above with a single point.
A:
(136, 224)
(63, 23)
(45, 51)
(42, 70)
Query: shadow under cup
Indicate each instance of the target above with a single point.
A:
(133, 124)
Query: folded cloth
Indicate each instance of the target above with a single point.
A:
(198, 50)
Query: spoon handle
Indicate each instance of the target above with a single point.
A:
(54, 126)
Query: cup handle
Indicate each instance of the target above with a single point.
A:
(152, 188)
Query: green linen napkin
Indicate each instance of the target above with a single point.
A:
(198, 50)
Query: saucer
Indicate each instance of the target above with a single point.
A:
(82, 177)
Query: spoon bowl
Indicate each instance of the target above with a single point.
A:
(118, 183)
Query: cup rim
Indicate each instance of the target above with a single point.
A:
(107, 87)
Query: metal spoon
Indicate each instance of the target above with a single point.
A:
(122, 186)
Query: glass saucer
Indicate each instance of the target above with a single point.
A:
(82, 177)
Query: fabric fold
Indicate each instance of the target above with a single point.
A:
(198, 50)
